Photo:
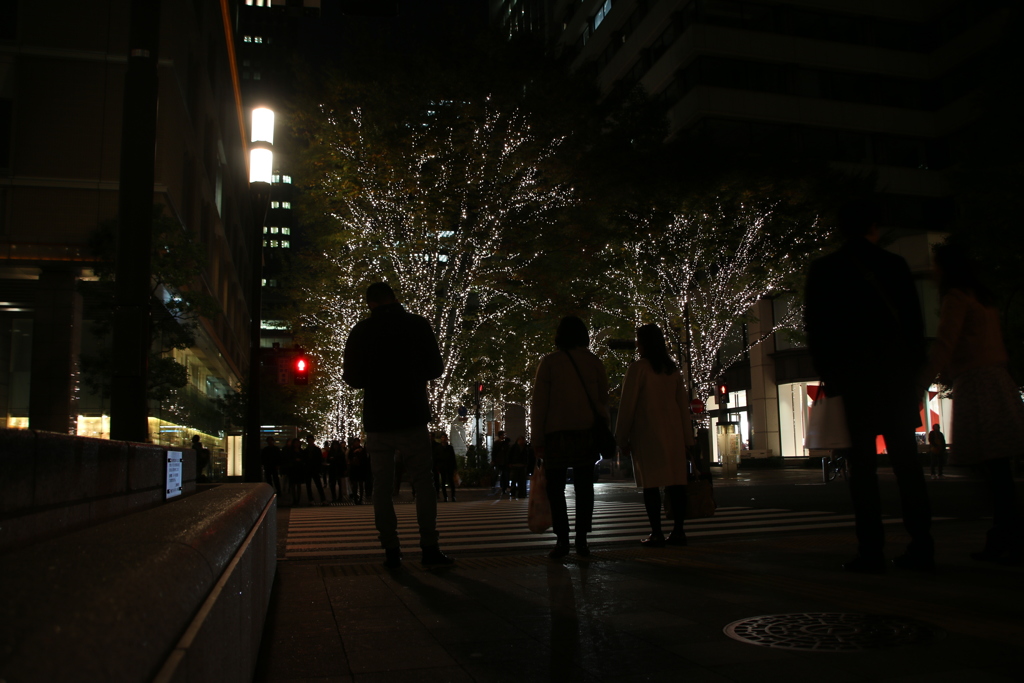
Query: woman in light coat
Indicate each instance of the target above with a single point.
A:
(988, 415)
(569, 381)
(654, 428)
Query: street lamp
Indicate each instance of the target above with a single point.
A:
(261, 168)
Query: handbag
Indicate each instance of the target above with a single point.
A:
(700, 498)
(827, 427)
(603, 439)
(538, 511)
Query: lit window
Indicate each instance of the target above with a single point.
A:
(601, 13)
(275, 178)
(273, 243)
(286, 179)
(286, 205)
(273, 283)
(264, 243)
(246, 39)
(257, 39)
(273, 231)
(286, 231)
(264, 282)
(286, 244)
(264, 230)
(275, 205)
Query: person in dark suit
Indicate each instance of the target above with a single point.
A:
(866, 337)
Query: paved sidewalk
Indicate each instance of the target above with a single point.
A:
(636, 614)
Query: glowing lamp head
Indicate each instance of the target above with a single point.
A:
(261, 165)
(263, 125)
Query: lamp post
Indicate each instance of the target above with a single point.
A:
(261, 168)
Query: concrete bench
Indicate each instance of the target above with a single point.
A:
(174, 593)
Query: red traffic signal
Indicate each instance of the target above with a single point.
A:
(722, 392)
(301, 370)
(480, 388)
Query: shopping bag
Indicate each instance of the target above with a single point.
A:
(827, 427)
(456, 479)
(538, 515)
(700, 498)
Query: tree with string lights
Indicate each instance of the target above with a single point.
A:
(699, 270)
(444, 205)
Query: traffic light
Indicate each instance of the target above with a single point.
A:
(722, 392)
(301, 370)
(478, 392)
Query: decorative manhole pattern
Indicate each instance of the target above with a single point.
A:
(828, 631)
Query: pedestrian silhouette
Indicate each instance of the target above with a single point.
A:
(865, 333)
(391, 356)
(988, 415)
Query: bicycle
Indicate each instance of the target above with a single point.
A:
(833, 465)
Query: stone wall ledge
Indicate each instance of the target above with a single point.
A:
(51, 484)
(177, 592)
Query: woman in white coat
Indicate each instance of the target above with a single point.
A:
(654, 428)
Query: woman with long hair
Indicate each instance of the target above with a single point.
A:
(569, 382)
(654, 428)
(988, 415)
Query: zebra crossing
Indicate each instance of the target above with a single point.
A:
(500, 525)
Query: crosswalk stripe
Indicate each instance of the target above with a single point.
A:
(348, 531)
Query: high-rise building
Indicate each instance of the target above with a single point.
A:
(871, 87)
(62, 75)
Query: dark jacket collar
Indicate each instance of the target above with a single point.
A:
(386, 310)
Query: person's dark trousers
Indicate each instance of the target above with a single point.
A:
(1005, 534)
(652, 503)
(446, 479)
(336, 485)
(583, 484)
(319, 487)
(938, 459)
(357, 487)
(273, 479)
(517, 481)
(867, 499)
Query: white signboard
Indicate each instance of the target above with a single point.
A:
(174, 482)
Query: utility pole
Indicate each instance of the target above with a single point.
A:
(129, 406)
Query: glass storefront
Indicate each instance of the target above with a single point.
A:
(739, 414)
(796, 399)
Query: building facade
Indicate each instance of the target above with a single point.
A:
(873, 88)
(62, 69)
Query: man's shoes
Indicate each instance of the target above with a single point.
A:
(433, 557)
(582, 548)
(917, 563)
(560, 550)
(392, 558)
(865, 565)
(653, 541)
(676, 538)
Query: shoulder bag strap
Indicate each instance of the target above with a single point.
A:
(575, 367)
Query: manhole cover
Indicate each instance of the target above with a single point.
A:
(828, 631)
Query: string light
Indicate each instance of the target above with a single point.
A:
(439, 222)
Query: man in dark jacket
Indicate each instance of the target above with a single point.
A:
(391, 356)
(866, 337)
